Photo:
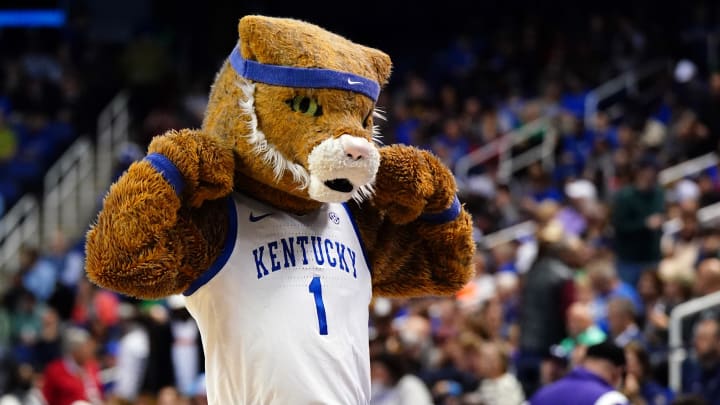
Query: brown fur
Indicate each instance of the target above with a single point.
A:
(408, 256)
(147, 242)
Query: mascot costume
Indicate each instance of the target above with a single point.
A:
(280, 218)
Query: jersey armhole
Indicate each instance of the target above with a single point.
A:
(227, 250)
(357, 234)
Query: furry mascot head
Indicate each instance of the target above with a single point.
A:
(301, 99)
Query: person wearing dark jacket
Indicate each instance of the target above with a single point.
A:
(637, 218)
(546, 296)
(701, 373)
(639, 385)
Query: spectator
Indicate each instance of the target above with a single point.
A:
(489, 325)
(556, 364)
(650, 290)
(581, 196)
(709, 190)
(19, 389)
(186, 346)
(508, 208)
(8, 139)
(682, 250)
(393, 385)
(639, 385)
(593, 382)
(75, 377)
(621, 322)
(707, 112)
(481, 288)
(637, 219)
(169, 396)
(710, 244)
(606, 285)
(656, 318)
(5, 330)
(47, 348)
(38, 275)
(707, 279)
(693, 135)
(132, 354)
(451, 144)
(453, 373)
(508, 291)
(199, 391)
(406, 126)
(497, 386)
(159, 372)
(701, 375)
(602, 129)
(581, 329)
(548, 291)
(25, 324)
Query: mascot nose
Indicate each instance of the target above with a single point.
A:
(355, 148)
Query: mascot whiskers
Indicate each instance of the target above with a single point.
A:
(280, 218)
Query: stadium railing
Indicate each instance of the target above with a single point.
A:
(705, 215)
(502, 148)
(19, 226)
(69, 194)
(678, 353)
(665, 177)
(72, 188)
(113, 133)
(688, 168)
(609, 95)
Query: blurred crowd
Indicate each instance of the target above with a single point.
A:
(613, 248)
(36, 116)
(53, 85)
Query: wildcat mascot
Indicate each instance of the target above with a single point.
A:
(280, 218)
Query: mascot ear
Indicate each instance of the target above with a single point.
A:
(382, 64)
(289, 42)
(252, 29)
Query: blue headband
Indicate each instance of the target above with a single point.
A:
(303, 77)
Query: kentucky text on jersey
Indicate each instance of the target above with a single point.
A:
(303, 251)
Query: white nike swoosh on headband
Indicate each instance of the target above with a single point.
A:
(352, 82)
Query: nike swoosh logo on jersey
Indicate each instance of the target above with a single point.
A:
(353, 82)
(258, 218)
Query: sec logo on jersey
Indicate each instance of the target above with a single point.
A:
(334, 217)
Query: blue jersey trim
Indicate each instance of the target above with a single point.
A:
(445, 216)
(224, 255)
(168, 170)
(359, 237)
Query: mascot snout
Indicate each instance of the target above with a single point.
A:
(342, 168)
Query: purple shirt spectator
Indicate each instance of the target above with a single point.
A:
(572, 221)
(579, 387)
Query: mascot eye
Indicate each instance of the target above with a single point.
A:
(305, 105)
(367, 122)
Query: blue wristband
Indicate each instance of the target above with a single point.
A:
(445, 216)
(168, 170)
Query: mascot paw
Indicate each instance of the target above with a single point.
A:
(410, 183)
(207, 165)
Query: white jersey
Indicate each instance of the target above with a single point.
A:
(283, 313)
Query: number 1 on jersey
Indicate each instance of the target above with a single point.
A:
(316, 288)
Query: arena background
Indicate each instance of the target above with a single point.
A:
(584, 137)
